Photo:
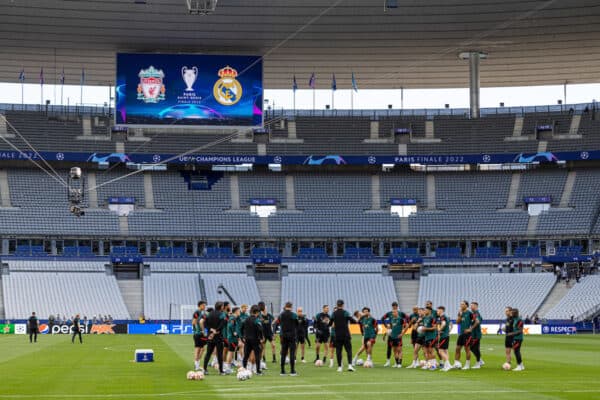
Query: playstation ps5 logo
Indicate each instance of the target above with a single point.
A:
(189, 76)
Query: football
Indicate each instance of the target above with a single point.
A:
(457, 365)
(242, 374)
(422, 363)
(198, 375)
(360, 362)
(506, 366)
(190, 375)
(420, 329)
(319, 363)
(368, 364)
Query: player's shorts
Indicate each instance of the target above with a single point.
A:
(508, 342)
(322, 337)
(430, 343)
(472, 342)
(442, 343)
(414, 336)
(366, 341)
(301, 339)
(231, 346)
(332, 342)
(199, 341)
(268, 336)
(394, 342)
(463, 339)
(517, 344)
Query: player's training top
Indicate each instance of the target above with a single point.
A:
(465, 321)
(517, 326)
(198, 315)
(302, 329)
(288, 321)
(397, 323)
(322, 323)
(368, 327)
(243, 316)
(33, 322)
(476, 333)
(413, 318)
(445, 332)
(428, 323)
(340, 319)
(76, 324)
(508, 326)
(216, 320)
(267, 322)
(232, 330)
(252, 329)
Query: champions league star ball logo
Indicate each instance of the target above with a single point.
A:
(189, 76)
(227, 90)
(151, 88)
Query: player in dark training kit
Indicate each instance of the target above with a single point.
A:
(214, 323)
(343, 340)
(321, 326)
(302, 331)
(476, 335)
(252, 335)
(266, 319)
(199, 336)
(33, 326)
(395, 322)
(231, 338)
(430, 330)
(288, 322)
(368, 328)
(464, 338)
(76, 329)
(518, 328)
(508, 328)
(443, 329)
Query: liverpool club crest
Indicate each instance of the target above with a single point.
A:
(227, 90)
(151, 88)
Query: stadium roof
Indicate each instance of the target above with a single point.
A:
(412, 46)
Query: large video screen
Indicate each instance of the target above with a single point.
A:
(188, 89)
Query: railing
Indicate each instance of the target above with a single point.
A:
(99, 109)
(431, 112)
(588, 314)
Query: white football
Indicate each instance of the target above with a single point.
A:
(368, 364)
(457, 365)
(190, 375)
(242, 375)
(199, 375)
(506, 366)
(319, 363)
(360, 362)
(422, 363)
(421, 329)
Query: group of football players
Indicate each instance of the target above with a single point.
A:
(241, 335)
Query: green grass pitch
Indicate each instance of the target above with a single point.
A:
(557, 367)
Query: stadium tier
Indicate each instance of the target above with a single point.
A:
(66, 293)
(524, 291)
(346, 135)
(312, 291)
(309, 205)
(164, 293)
(581, 301)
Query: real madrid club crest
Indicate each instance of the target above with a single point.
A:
(151, 88)
(227, 90)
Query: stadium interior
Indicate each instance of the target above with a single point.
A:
(375, 205)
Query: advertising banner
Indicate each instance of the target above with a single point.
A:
(189, 89)
(7, 329)
(559, 329)
(160, 329)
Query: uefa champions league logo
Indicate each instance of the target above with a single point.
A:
(189, 76)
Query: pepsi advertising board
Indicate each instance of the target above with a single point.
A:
(189, 89)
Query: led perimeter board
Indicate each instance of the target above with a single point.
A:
(189, 89)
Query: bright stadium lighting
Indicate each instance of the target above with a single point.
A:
(201, 7)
